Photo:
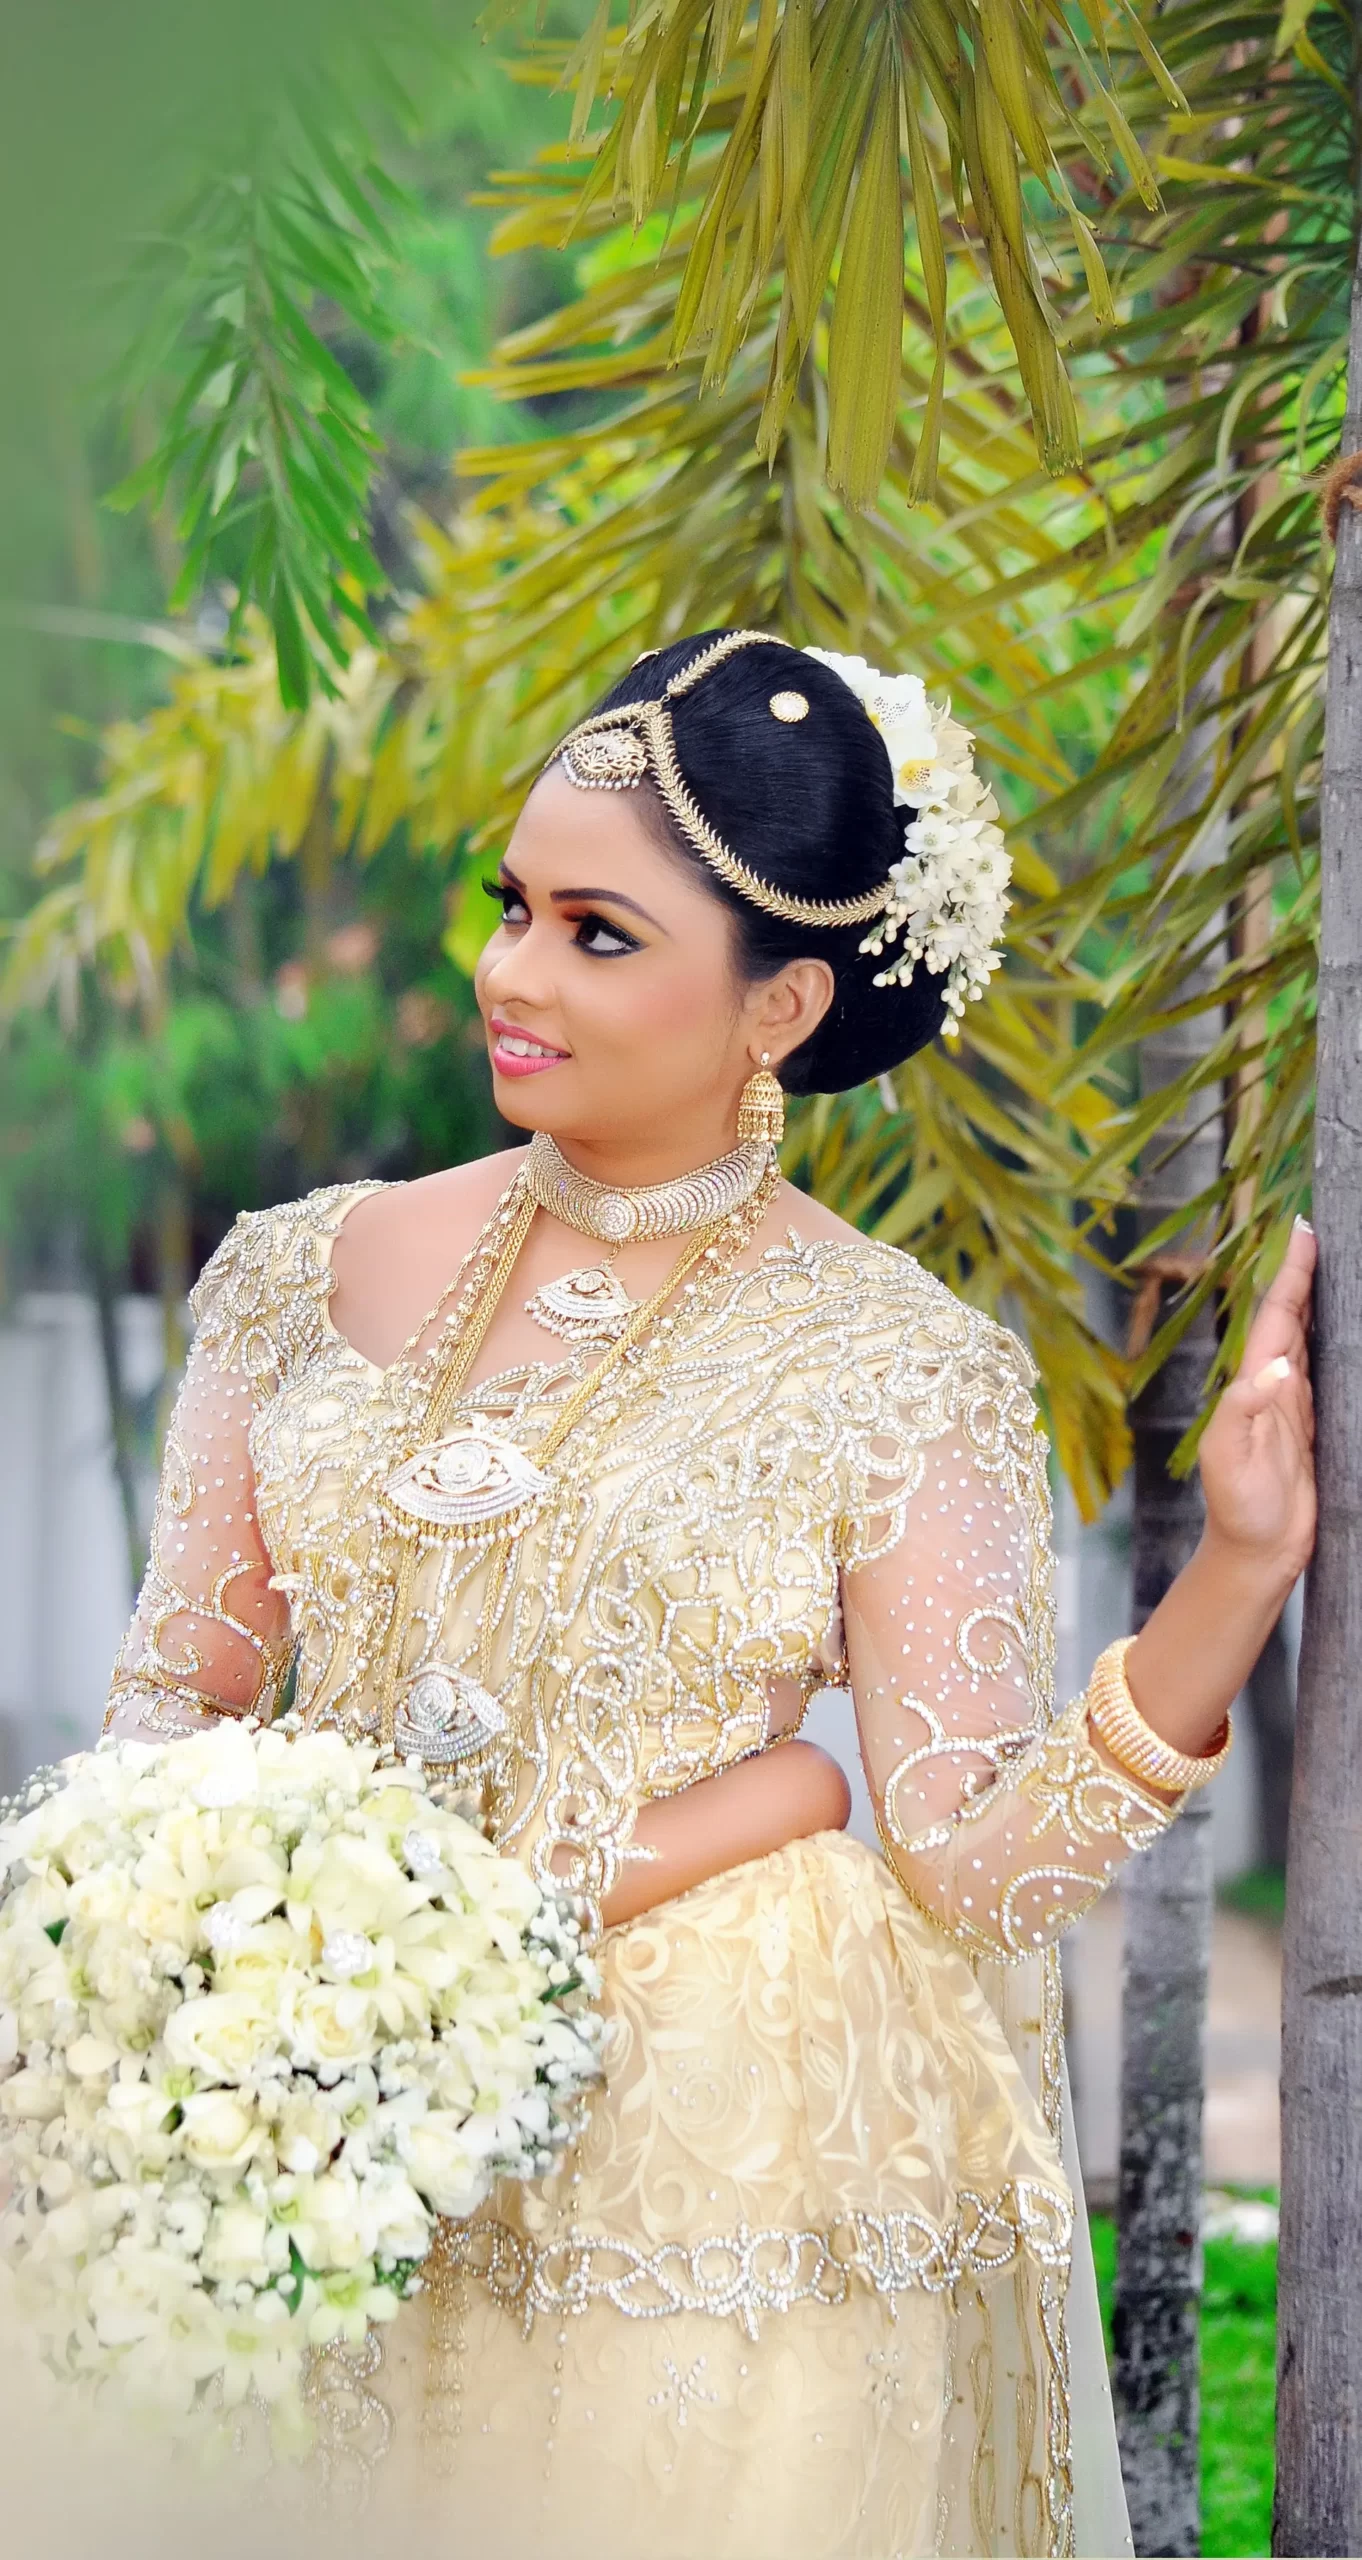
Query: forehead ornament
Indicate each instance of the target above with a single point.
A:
(608, 760)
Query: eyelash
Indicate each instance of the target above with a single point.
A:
(589, 923)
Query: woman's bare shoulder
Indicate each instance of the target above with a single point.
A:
(401, 1244)
(809, 1218)
(460, 1196)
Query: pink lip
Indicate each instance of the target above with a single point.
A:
(505, 1061)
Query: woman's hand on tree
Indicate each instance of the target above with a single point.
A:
(1257, 1453)
(1192, 1657)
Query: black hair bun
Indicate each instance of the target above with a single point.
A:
(808, 804)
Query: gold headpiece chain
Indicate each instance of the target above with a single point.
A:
(617, 750)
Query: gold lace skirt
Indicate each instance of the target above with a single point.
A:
(800, 2290)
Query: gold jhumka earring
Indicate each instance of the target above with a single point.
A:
(761, 1107)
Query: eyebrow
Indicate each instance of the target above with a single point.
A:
(570, 897)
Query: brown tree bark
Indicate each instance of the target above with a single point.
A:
(1319, 2337)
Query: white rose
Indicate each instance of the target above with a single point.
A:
(33, 2093)
(138, 2109)
(165, 1919)
(103, 1896)
(440, 2163)
(398, 2220)
(326, 2218)
(307, 2133)
(219, 2131)
(237, 2249)
(332, 2023)
(70, 2227)
(224, 2035)
(259, 1961)
(81, 1847)
(219, 1768)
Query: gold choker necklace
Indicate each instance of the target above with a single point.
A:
(593, 1305)
(618, 1216)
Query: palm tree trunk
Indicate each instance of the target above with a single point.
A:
(1168, 1902)
(1319, 2341)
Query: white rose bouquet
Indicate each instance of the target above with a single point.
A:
(268, 2007)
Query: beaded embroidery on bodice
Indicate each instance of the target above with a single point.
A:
(695, 1564)
(828, 1432)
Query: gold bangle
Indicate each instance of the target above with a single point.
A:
(1117, 1721)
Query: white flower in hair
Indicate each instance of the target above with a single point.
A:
(950, 887)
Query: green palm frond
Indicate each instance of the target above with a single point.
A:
(1137, 639)
(788, 142)
(1232, 337)
(265, 451)
(797, 134)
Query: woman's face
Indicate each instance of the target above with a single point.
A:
(614, 1014)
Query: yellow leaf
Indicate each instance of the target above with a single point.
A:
(866, 348)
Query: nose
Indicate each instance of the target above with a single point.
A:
(518, 974)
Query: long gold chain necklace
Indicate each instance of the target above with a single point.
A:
(461, 1480)
(469, 1276)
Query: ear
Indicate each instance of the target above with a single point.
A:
(787, 1009)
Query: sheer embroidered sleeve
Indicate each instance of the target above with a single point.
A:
(209, 1634)
(998, 1816)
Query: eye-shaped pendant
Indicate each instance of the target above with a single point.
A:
(447, 1717)
(467, 1479)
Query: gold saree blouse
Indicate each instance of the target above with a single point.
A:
(825, 2159)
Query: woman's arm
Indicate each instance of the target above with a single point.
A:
(1194, 1654)
(209, 1636)
(748, 1811)
(1005, 1821)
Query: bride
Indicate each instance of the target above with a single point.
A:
(578, 1470)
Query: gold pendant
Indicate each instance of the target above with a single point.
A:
(446, 1716)
(467, 1479)
(583, 1306)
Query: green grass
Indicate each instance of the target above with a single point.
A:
(1238, 2357)
(1261, 1893)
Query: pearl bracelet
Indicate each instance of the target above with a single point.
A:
(1117, 1721)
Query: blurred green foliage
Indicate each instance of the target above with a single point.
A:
(306, 1031)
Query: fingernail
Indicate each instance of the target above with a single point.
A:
(1272, 1371)
(1304, 1225)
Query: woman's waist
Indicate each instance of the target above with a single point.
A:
(788, 2045)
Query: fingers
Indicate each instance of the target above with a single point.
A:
(1278, 1329)
(1253, 1394)
(1281, 1388)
